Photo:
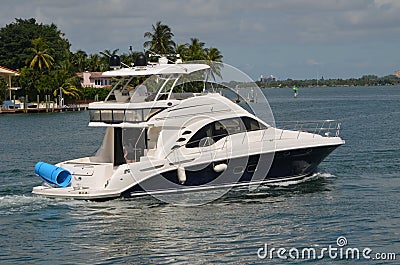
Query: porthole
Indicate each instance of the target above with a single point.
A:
(251, 168)
(238, 170)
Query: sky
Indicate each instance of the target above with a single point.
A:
(297, 39)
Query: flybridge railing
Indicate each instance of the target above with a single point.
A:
(326, 128)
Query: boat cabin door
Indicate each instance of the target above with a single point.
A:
(132, 143)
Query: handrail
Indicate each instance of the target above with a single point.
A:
(325, 128)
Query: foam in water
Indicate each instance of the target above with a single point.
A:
(21, 203)
(326, 175)
(295, 182)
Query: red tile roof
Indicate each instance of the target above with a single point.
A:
(8, 71)
(93, 75)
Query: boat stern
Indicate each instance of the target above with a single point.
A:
(88, 180)
(78, 194)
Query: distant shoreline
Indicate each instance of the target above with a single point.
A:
(338, 86)
(367, 80)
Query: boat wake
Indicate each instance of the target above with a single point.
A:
(314, 176)
(315, 183)
(12, 204)
(15, 204)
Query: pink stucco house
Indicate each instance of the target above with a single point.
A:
(94, 79)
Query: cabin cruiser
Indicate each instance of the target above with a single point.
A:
(189, 127)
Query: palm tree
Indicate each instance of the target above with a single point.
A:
(195, 50)
(95, 63)
(107, 53)
(160, 39)
(68, 88)
(129, 58)
(41, 56)
(79, 60)
(182, 50)
(213, 54)
(105, 58)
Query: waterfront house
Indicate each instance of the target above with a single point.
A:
(94, 79)
(7, 74)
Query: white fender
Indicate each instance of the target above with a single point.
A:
(220, 167)
(181, 174)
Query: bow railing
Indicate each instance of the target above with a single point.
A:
(325, 128)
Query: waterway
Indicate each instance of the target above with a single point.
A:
(355, 196)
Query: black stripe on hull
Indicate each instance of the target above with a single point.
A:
(294, 164)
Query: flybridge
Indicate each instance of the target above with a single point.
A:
(164, 78)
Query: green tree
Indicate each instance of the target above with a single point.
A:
(213, 54)
(35, 50)
(195, 50)
(182, 50)
(3, 90)
(67, 85)
(128, 59)
(160, 39)
(33, 82)
(107, 53)
(41, 57)
(96, 63)
(79, 61)
(16, 37)
(105, 58)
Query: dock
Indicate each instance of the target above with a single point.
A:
(73, 107)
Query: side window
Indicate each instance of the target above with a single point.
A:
(204, 132)
(252, 124)
(233, 125)
(219, 131)
(216, 131)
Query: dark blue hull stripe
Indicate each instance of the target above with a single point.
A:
(255, 169)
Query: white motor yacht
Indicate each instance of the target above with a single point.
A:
(191, 127)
